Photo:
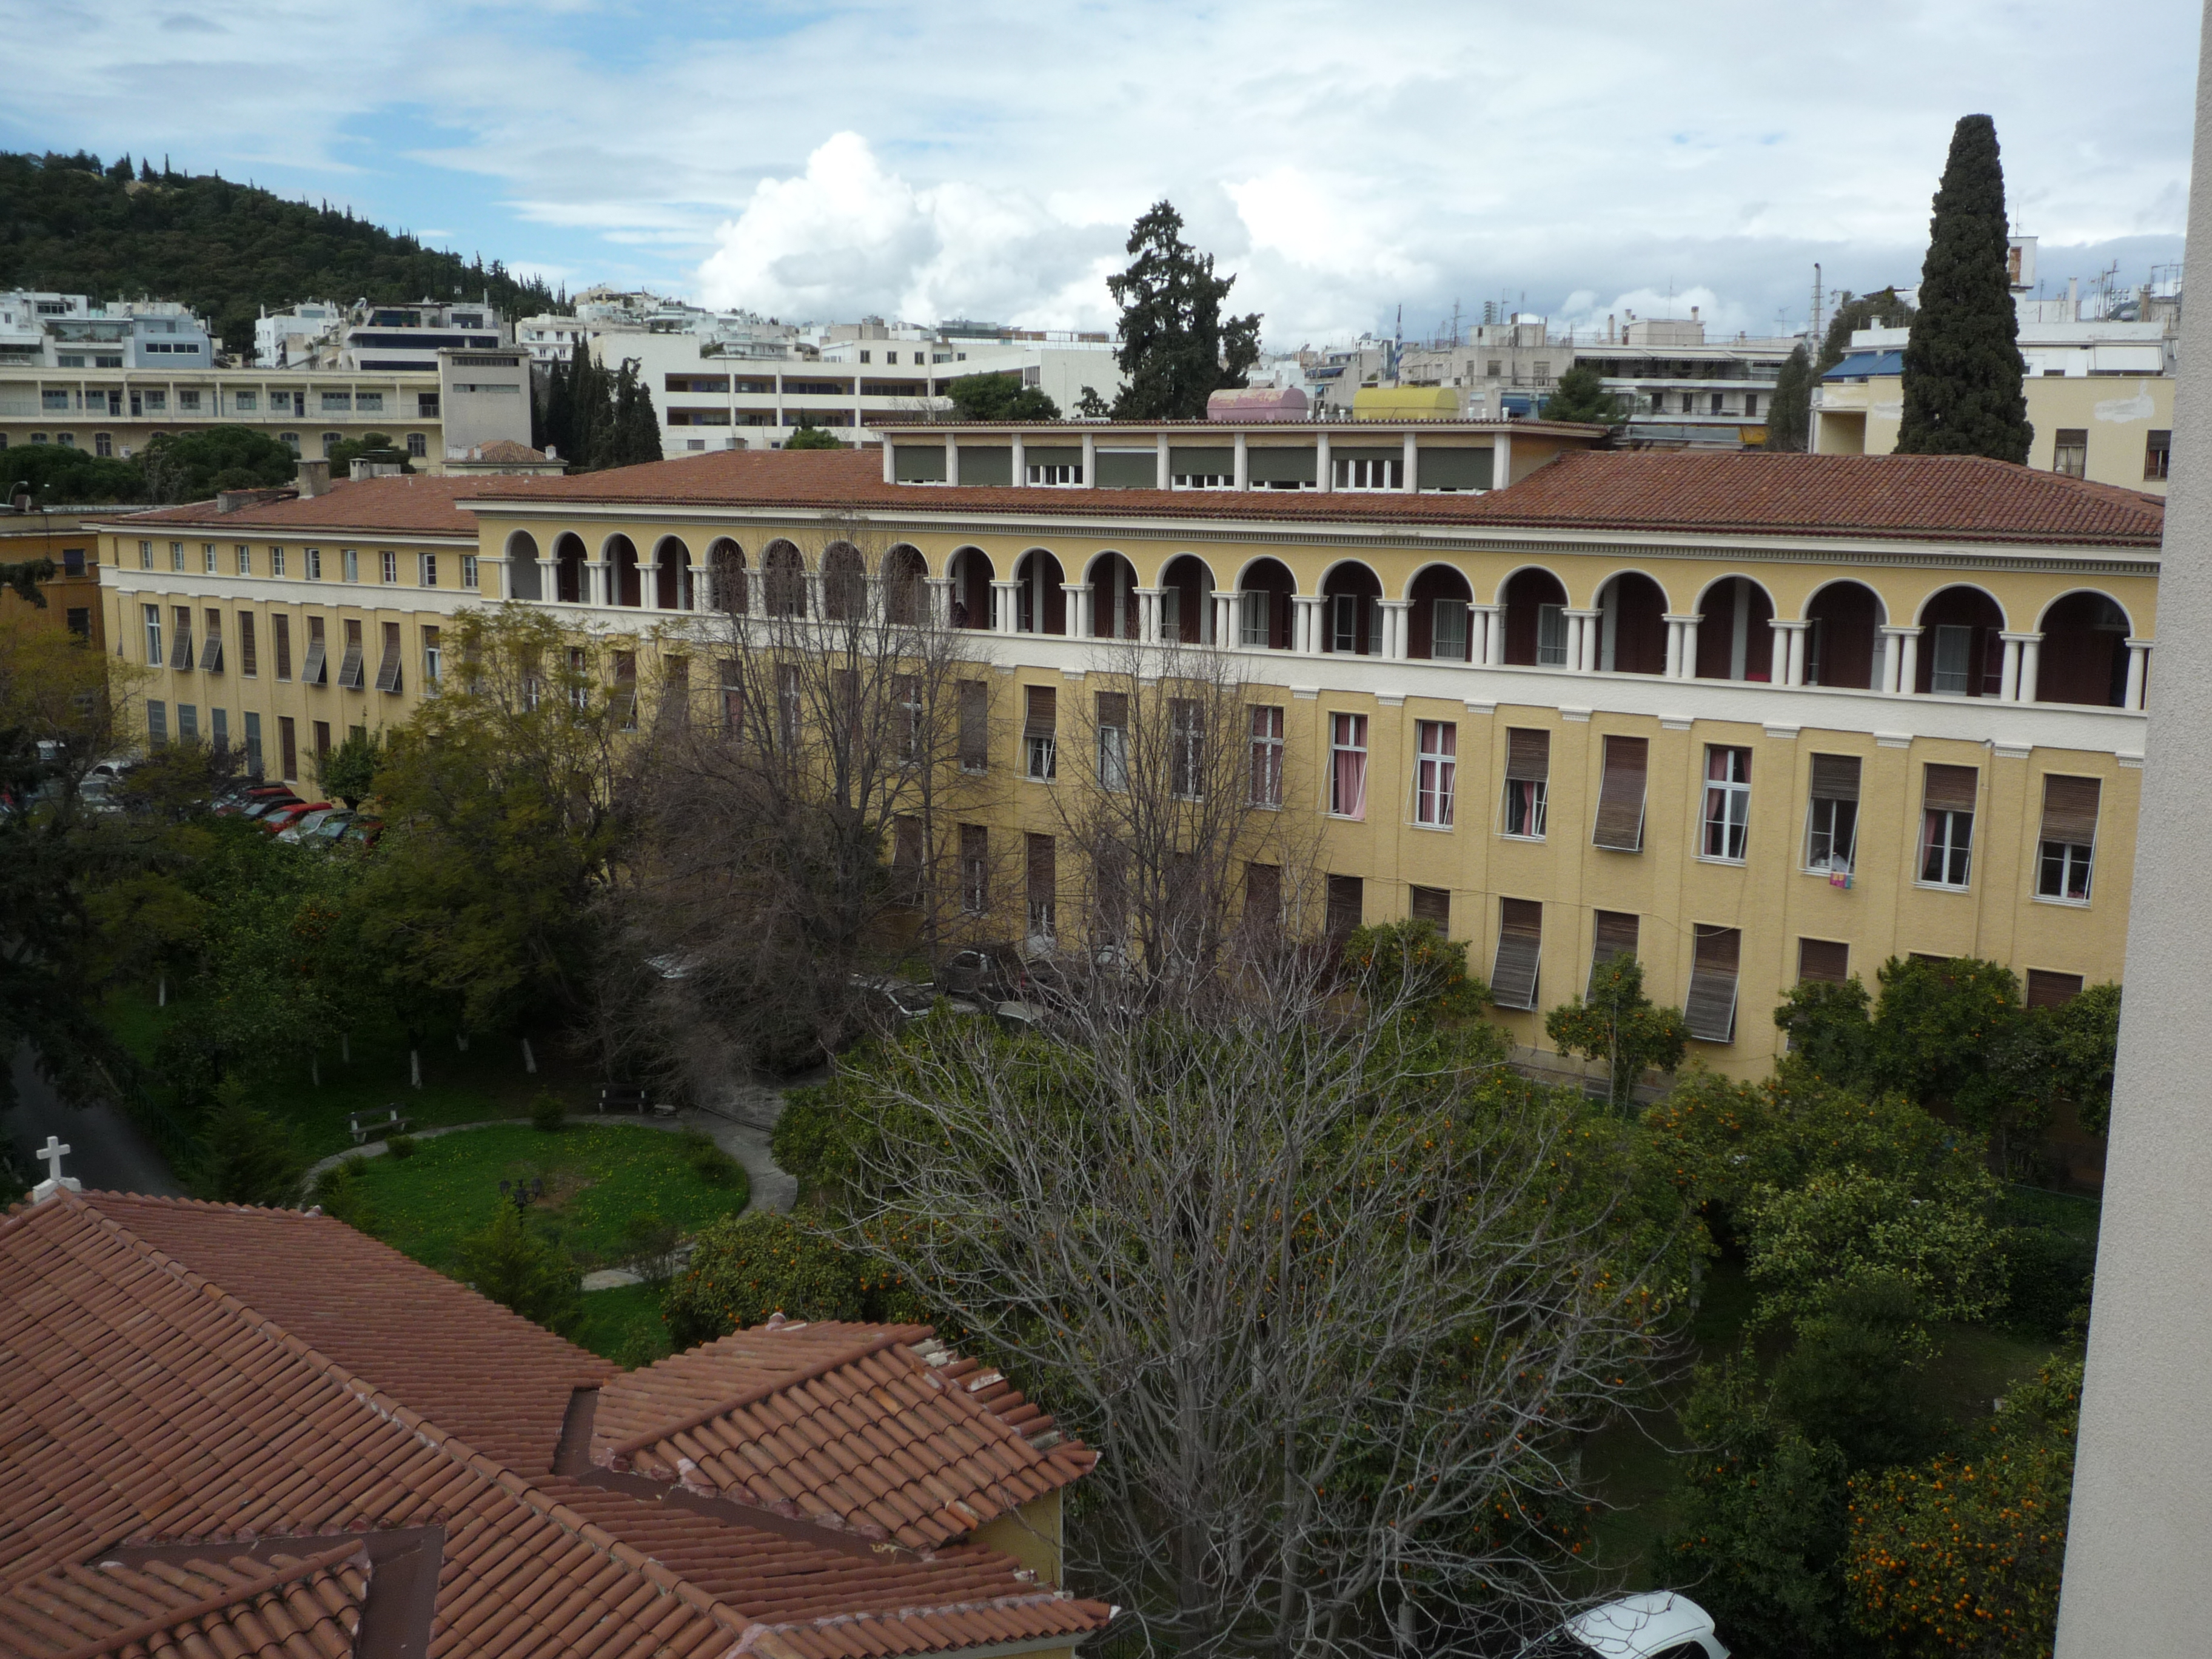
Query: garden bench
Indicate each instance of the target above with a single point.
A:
(622, 1100)
(360, 1126)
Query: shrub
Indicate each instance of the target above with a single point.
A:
(809, 1140)
(548, 1113)
(709, 1162)
(341, 1193)
(1411, 965)
(2050, 1275)
(520, 1270)
(749, 1267)
(247, 1156)
(652, 1240)
(400, 1145)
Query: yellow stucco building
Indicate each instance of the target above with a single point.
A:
(1755, 718)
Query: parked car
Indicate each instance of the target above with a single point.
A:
(891, 1001)
(326, 830)
(245, 801)
(282, 818)
(1655, 1625)
(361, 832)
(301, 827)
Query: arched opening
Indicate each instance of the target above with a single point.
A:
(1187, 601)
(2084, 654)
(844, 583)
(906, 575)
(622, 584)
(1040, 605)
(1632, 625)
(1264, 611)
(1351, 615)
(570, 584)
(1114, 612)
(524, 579)
(1735, 631)
(1961, 645)
(972, 576)
(725, 563)
(1843, 643)
(1436, 626)
(1535, 620)
(783, 581)
(671, 575)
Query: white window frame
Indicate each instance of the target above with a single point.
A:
(1726, 817)
(153, 635)
(1436, 774)
(1114, 758)
(468, 570)
(1186, 748)
(245, 559)
(275, 560)
(1349, 737)
(350, 563)
(1055, 475)
(1041, 756)
(1529, 800)
(210, 559)
(1377, 477)
(1962, 675)
(426, 569)
(1266, 782)
(1957, 842)
(1255, 619)
(388, 563)
(1819, 836)
(1550, 636)
(2073, 856)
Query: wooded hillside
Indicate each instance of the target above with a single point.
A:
(70, 225)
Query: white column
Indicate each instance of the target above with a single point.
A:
(890, 462)
(1413, 481)
(1163, 479)
(1021, 473)
(1493, 634)
(2009, 675)
(2031, 666)
(1397, 614)
(779, 399)
(1244, 464)
(940, 599)
(1908, 661)
(1501, 472)
(1148, 615)
(2138, 671)
(1673, 648)
(814, 612)
(951, 459)
(1306, 635)
(1225, 631)
(1787, 660)
(1005, 606)
(1682, 647)
(1583, 637)
(1089, 461)
(1324, 470)
(1799, 632)
(1078, 607)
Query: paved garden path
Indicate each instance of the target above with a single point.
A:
(740, 1124)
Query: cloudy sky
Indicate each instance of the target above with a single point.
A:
(823, 158)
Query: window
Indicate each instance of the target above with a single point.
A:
(153, 635)
(975, 726)
(418, 446)
(275, 560)
(387, 670)
(290, 440)
(1947, 836)
(315, 671)
(2068, 838)
(1750, 404)
(1951, 669)
(1187, 748)
(245, 403)
(390, 563)
(1436, 770)
(1267, 756)
(176, 555)
(1541, 373)
(280, 636)
(1550, 636)
(1042, 884)
(219, 730)
(180, 647)
(353, 667)
(1344, 625)
(1055, 473)
(350, 564)
(188, 402)
(1347, 773)
(244, 558)
(1728, 802)
(908, 711)
(254, 762)
(211, 650)
(337, 403)
(426, 569)
(157, 723)
(1113, 723)
(1621, 795)
(66, 440)
(2158, 454)
(906, 858)
(2070, 452)
(1520, 949)
(974, 869)
(288, 744)
(1709, 1011)
(2048, 990)
(622, 704)
(369, 403)
(1527, 780)
(208, 559)
(1715, 406)
(1263, 896)
(79, 620)
(426, 405)
(103, 445)
(1039, 739)
(1431, 905)
(1831, 820)
(249, 661)
(468, 570)
(54, 400)
(315, 557)
(1494, 368)
(787, 704)
(188, 722)
(1612, 935)
(322, 744)
(145, 556)
(1823, 961)
(1447, 630)
(1347, 905)
(1255, 619)
(1374, 474)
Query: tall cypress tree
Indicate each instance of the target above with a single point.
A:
(1176, 346)
(1789, 416)
(1962, 361)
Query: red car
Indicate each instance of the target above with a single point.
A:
(251, 800)
(285, 817)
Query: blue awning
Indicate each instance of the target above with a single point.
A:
(1861, 365)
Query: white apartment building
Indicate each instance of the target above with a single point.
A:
(68, 330)
(366, 336)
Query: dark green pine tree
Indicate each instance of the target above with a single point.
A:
(1176, 346)
(637, 430)
(1790, 416)
(590, 412)
(1962, 362)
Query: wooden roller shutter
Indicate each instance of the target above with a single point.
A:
(1432, 905)
(1950, 788)
(1041, 713)
(1520, 950)
(1347, 903)
(1527, 754)
(1709, 1009)
(1835, 777)
(1620, 796)
(1826, 960)
(1612, 933)
(349, 667)
(974, 725)
(2050, 990)
(1113, 710)
(2070, 810)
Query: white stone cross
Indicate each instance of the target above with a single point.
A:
(53, 1151)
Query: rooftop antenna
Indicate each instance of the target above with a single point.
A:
(1815, 336)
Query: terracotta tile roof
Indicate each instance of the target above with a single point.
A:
(875, 1427)
(289, 1608)
(149, 1409)
(408, 503)
(1915, 497)
(476, 1370)
(503, 449)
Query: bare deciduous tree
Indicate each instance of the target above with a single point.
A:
(1331, 1298)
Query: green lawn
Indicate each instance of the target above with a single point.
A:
(488, 1081)
(596, 1179)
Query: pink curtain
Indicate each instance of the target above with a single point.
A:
(1348, 797)
(1442, 768)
